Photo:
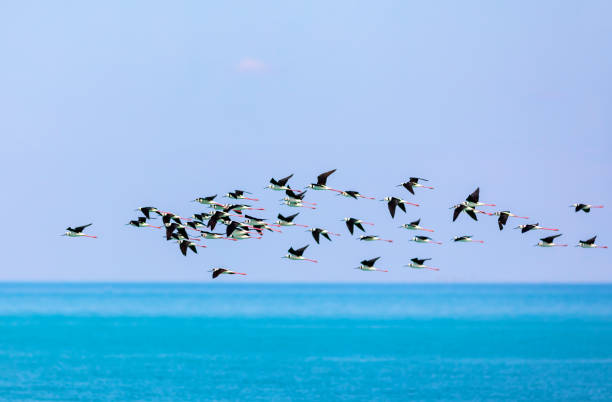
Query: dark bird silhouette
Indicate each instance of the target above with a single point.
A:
(368, 265)
(584, 207)
(414, 182)
(590, 243)
(549, 242)
(352, 222)
(223, 271)
(321, 183)
(297, 254)
(279, 185)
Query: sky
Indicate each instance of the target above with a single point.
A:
(109, 106)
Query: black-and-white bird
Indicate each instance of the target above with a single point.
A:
(584, 207)
(590, 243)
(368, 265)
(415, 225)
(223, 271)
(321, 183)
(297, 254)
(317, 232)
(352, 222)
(413, 182)
(533, 226)
(78, 231)
(419, 263)
(503, 218)
(279, 185)
(549, 242)
(393, 202)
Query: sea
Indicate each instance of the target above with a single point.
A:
(224, 341)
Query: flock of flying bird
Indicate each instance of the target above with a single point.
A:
(188, 232)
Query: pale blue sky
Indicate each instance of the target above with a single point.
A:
(113, 105)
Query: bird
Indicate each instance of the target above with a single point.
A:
(223, 271)
(316, 232)
(503, 218)
(368, 265)
(296, 204)
(413, 182)
(590, 243)
(415, 226)
(321, 183)
(206, 200)
(424, 239)
(297, 254)
(472, 199)
(584, 207)
(253, 221)
(418, 263)
(288, 220)
(533, 226)
(239, 195)
(466, 239)
(549, 242)
(352, 222)
(180, 229)
(186, 244)
(292, 196)
(393, 202)
(213, 236)
(373, 238)
(146, 211)
(78, 232)
(142, 222)
(195, 225)
(167, 216)
(279, 185)
(471, 211)
(354, 194)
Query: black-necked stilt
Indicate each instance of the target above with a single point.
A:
(393, 202)
(316, 232)
(352, 222)
(533, 226)
(471, 211)
(142, 222)
(413, 182)
(279, 185)
(415, 226)
(292, 197)
(288, 220)
(466, 239)
(549, 242)
(167, 216)
(424, 239)
(296, 203)
(195, 225)
(297, 254)
(373, 238)
(585, 207)
(368, 265)
(180, 229)
(590, 243)
(251, 220)
(146, 211)
(240, 195)
(503, 218)
(78, 232)
(321, 183)
(206, 200)
(418, 263)
(354, 194)
(213, 236)
(223, 271)
(186, 244)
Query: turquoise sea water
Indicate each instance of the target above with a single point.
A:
(220, 341)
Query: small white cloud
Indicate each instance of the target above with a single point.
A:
(251, 65)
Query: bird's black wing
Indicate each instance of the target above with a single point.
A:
(183, 232)
(352, 193)
(322, 178)
(315, 234)
(349, 224)
(210, 197)
(79, 229)
(170, 229)
(391, 205)
(284, 180)
(475, 196)
(549, 239)
(579, 207)
(415, 223)
(183, 246)
(457, 211)
(326, 236)
(142, 219)
(471, 213)
(230, 228)
(217, 272)
(359, 226)
(423, 237)
(590, 241)
(369, 263)
(145, 211)
(401, 206)
(192, 247)
(408, 186)
(300, 251)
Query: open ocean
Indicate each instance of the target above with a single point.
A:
(220, 341)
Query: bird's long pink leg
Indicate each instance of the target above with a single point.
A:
(200, 245)
(522, 217)
(299, 224)
(240, 273)
(560, 245)
(93, 237)
(431, 188)
(335, 234)
(367, 198)
(388, 241)
(308, 259)
(368, 223)
(427, 230)
(601, 246)
(411, 203)
(478, 241)
(597, 206)
(554, 230)
(381, 270)
(251, 199)
(436, 242)
(488, 205)
(156, 227)
(255, 209)
(432, 268)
